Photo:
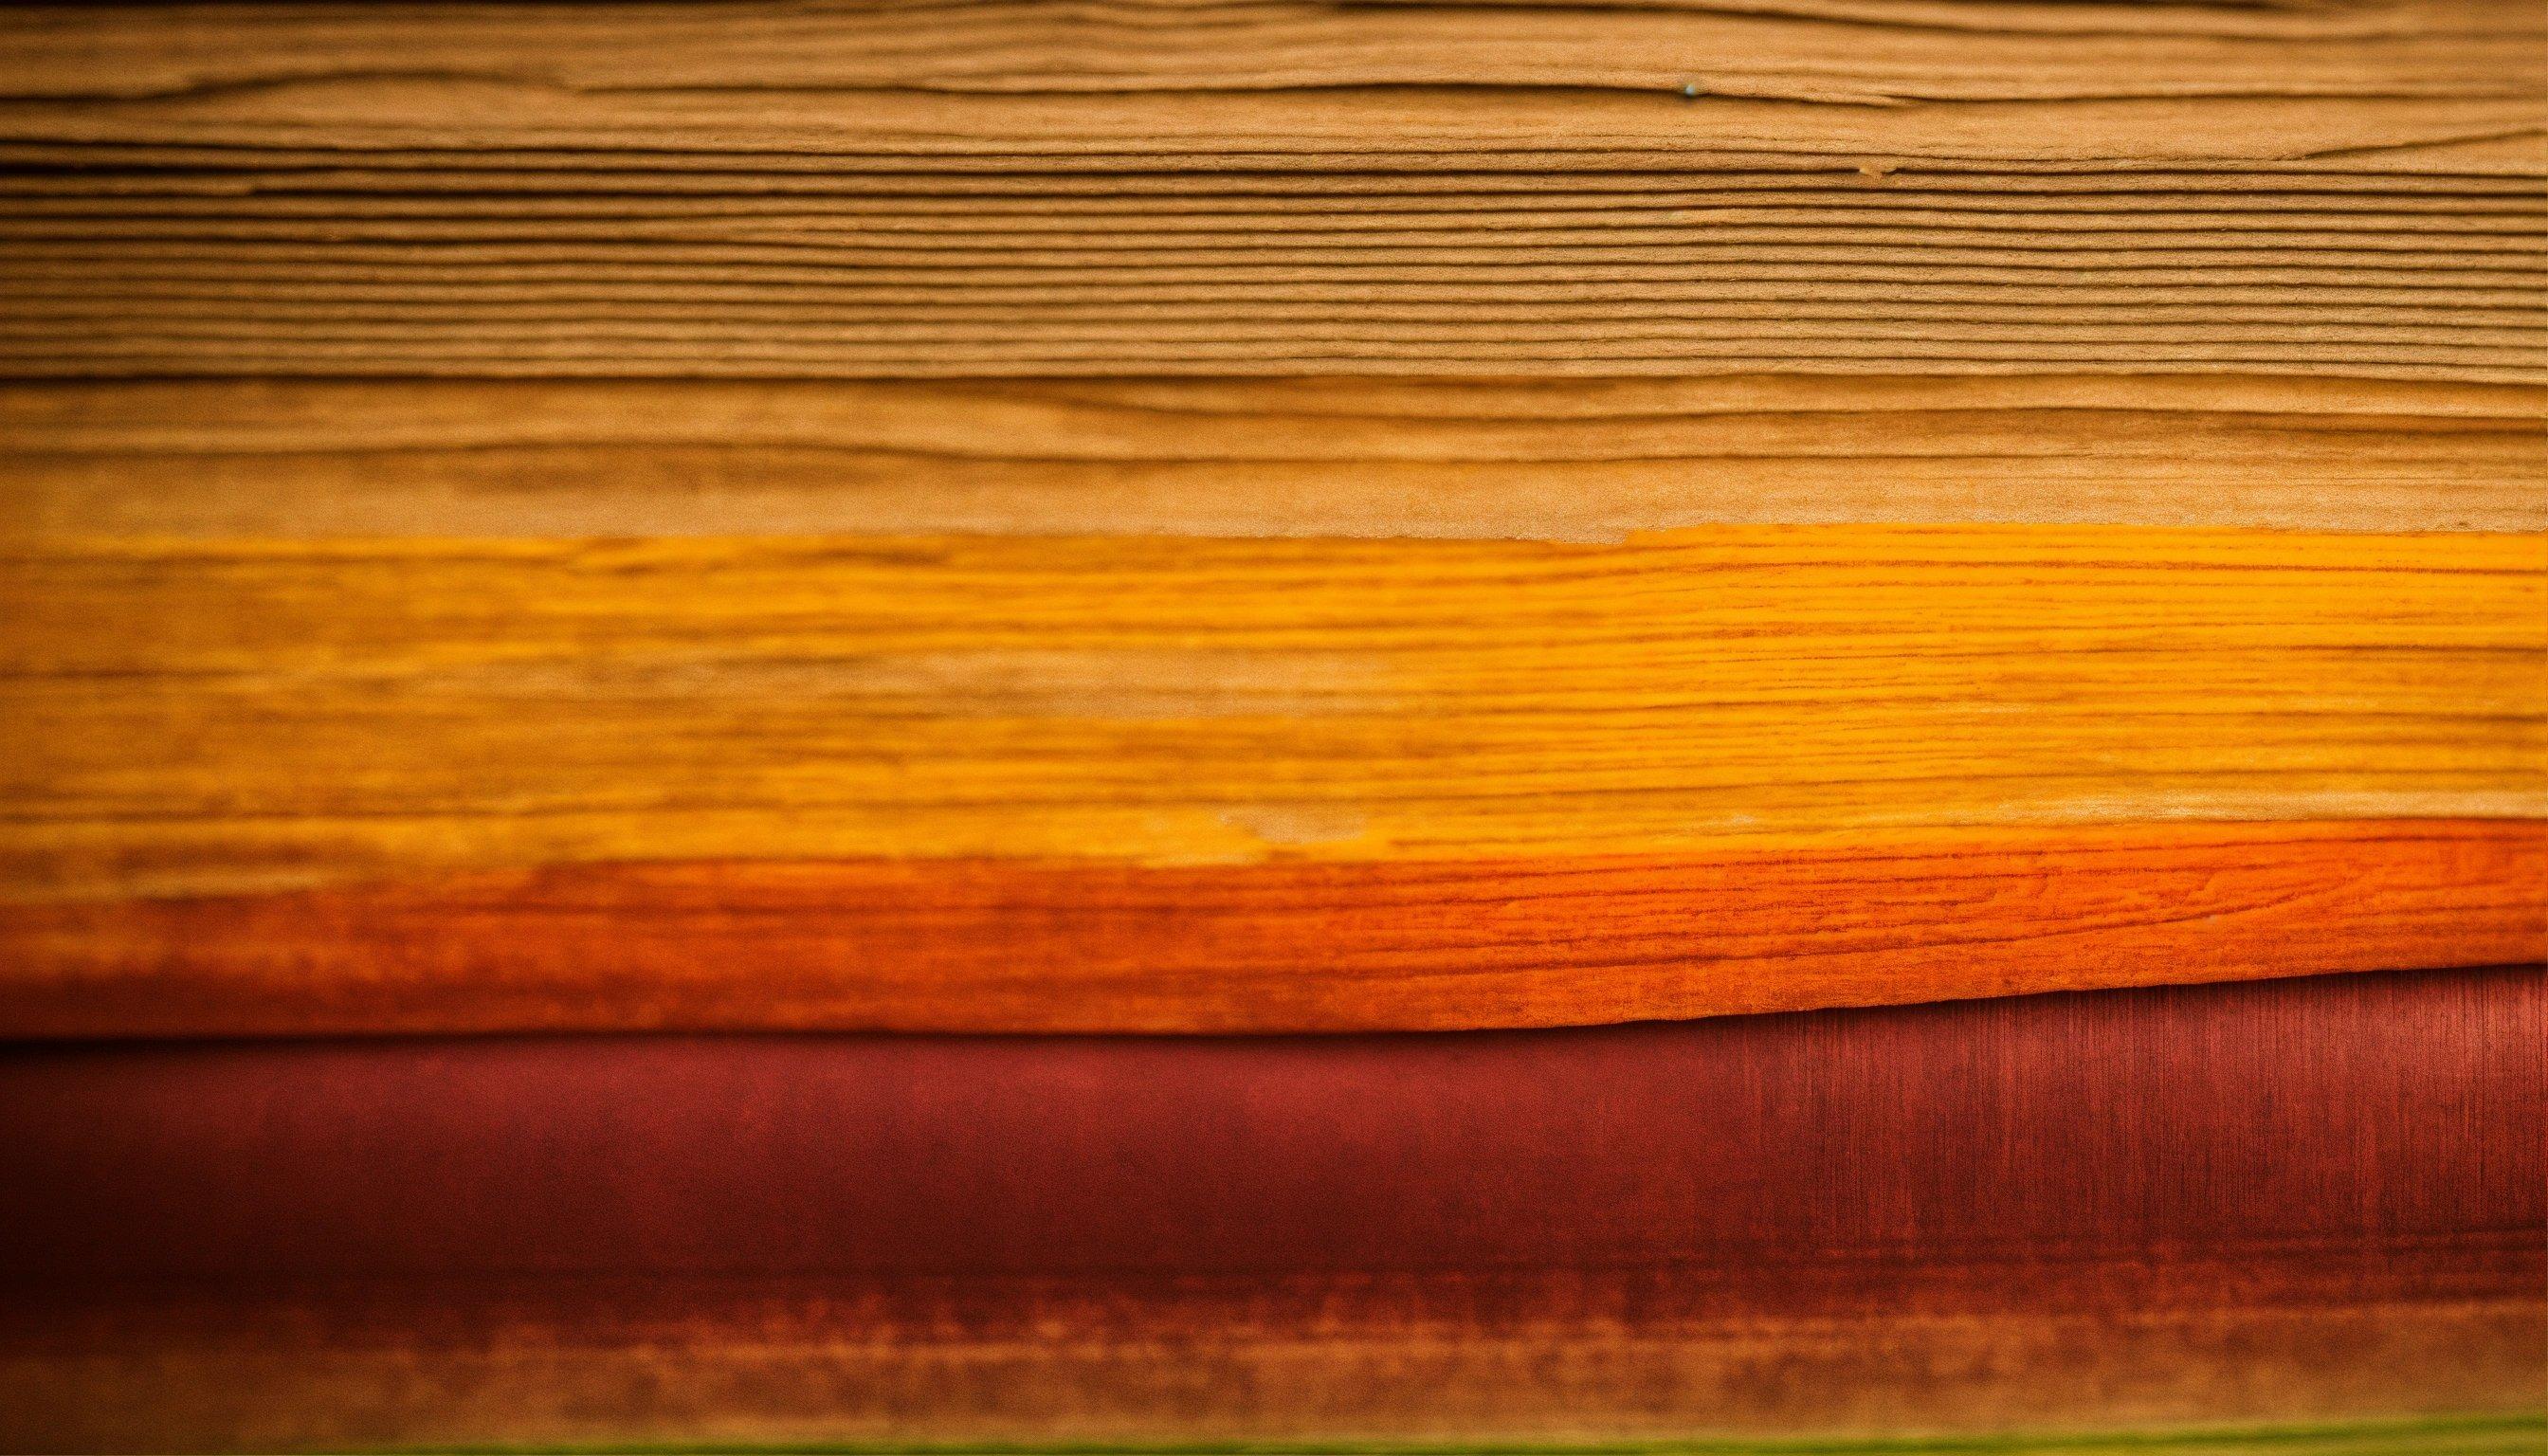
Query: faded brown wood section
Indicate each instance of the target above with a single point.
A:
(1448, 1360)
(1833, 185)
(1582, 460)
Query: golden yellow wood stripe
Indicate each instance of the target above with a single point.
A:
(179, 716)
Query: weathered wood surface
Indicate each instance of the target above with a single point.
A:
(1536, 460)
(1861, 185)
(2298, 1202)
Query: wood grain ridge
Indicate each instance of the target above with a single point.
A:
(1041, 187)
(2277, 1202)
(219, 717)
(1903, 51)
(994, 947)
(1580, 460)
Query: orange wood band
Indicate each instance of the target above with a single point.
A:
(250, 716)
(992, 946)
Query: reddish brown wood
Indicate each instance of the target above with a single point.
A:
(999, 945)
(2254, 1112)
(2258, 1201)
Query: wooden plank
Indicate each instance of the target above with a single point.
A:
(1900, 50)
(2282, 1202)
(1137, 784)
(788, 1368)
(1589, 460)
(1036, 187)
(214, 716)
(992, 946)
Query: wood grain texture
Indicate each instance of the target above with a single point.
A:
(1582, 460)
(238, 715)
(987, 945)
(700, 517)
(2284, 1201)
(1166, 1368)
(1239, 188)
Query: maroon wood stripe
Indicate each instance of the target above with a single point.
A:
(2266, 1200)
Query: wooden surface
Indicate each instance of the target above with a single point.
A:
(1591, 460)
(233, 761)
(1361, 518)
(345, 707)
(198, 717)
(1284, 945)
(2296, 1202)
(1827, 185)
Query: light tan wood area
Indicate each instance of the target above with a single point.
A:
(1590, 460)
(1833, 185)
